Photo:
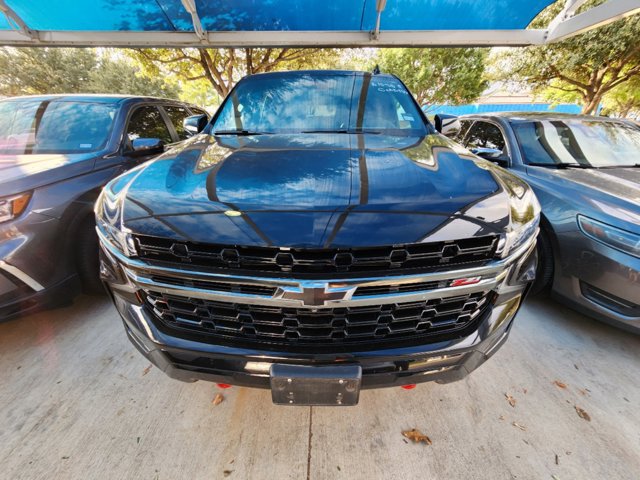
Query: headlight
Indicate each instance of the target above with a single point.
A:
(12, 207)
(525, 219)
(612, 236)
(109, 221)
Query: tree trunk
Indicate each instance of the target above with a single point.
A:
(590, 106)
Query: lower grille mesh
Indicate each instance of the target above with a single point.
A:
(323, 326)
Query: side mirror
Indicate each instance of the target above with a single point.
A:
(491, 154)
(141, 147)
(447, 124)
(195, 124)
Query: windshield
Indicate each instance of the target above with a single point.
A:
(585, 143)
(320, 102)
(36, 126)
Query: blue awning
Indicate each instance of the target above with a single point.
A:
(275, 15)
(288, 22)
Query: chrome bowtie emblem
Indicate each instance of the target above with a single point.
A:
(315, 294)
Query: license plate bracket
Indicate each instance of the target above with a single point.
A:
(337, 385)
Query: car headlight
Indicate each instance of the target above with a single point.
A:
(611, 236)
(109, 222)
(12, 207)
(525, 218)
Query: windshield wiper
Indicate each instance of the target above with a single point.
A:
(238, 132)
(326, 131)
(560, 165)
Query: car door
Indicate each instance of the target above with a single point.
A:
(483, 137)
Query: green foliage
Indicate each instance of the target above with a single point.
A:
(25, 71)
(223, 67)
(438, 75)
(31, 71)
(624, 100)
(587, 66)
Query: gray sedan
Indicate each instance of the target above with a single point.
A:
(586, 174)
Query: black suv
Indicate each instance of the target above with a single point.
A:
(56, 154)
(317, 238)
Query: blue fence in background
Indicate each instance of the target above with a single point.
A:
(501, 107)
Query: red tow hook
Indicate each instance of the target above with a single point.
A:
(223, 385)
(411, 386)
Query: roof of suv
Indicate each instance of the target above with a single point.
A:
(106, 98)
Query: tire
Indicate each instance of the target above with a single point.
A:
(87, 258)
(544, 269)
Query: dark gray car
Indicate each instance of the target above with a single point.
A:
(585, 172)
(56, 153)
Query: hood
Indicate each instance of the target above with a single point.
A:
(614, 192)
(19, 173)
(618, 182)
(315, 190)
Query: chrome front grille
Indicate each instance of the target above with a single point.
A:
(235, 308)
(305, 261)
(439, 317)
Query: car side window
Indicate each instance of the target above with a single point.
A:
(485, 135)
(464, 128)
(177, 114)
(147, 122)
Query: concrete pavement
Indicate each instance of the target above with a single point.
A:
(77, 401)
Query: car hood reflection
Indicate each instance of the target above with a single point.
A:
(315, 190)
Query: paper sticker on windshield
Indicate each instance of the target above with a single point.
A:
(408, 118)
(388, 86)
(86, 145)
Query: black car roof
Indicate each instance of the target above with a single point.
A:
(528, 116)
(321, 72)
(86, 97)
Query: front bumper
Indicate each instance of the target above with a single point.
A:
(598, 280)
(32, 270)
(443, 361)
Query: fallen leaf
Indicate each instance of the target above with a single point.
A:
(557, 460)
(510, 399)
(576, 366)
(559, 384)
(217, 400)
(521, 427)
(582, 413)
(416, 436)
(501, 417)
(226, 473)
(554, 477)
(583, 392)
(146, 370)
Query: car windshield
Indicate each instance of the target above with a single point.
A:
(36, 126)
(583, 143)
(320, 102)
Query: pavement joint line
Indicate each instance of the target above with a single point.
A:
(309, 445)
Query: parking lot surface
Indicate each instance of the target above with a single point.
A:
(77, 401)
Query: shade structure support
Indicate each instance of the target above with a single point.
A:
(565, 25)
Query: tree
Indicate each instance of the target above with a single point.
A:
(624, 100)
(438, 75)
(223, 67)
(588, 65)
(25, 71)
(122, 77)
(31, 71)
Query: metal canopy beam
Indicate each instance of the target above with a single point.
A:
(442, 38)
(593, 18)
(190, 6)
(14, 18)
